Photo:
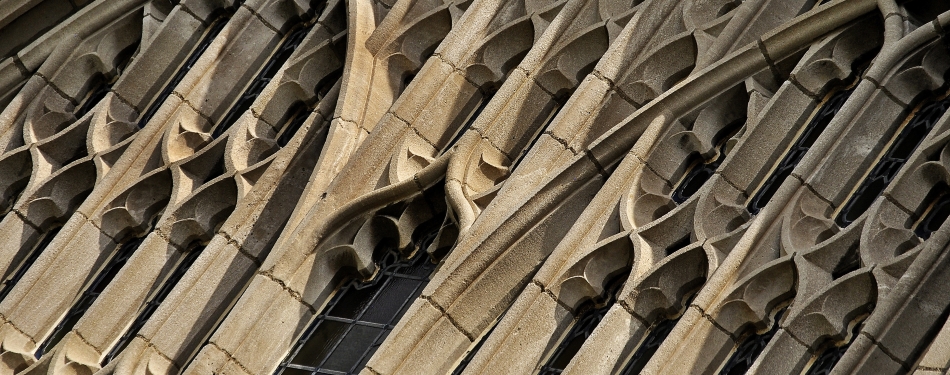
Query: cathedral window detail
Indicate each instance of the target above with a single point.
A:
(919, 124)
(358, 318)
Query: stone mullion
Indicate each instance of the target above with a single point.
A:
(67, 233)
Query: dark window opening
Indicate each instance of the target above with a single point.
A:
(471, 354)
(537, 135)
(679, 244)
(850, 262)
(359, 317)
(750, 348)
(92, 292)
(586, 322)
(299, 112)
(829, 357)
(212, 32)
(470, 120)
(702, 170)
(911, 136)
(276, 61)
(815, 127)
(146, 312)
(936, 211)
(649, 346)
(21, 269)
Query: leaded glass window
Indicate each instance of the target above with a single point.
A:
(587, 321)
(14, 278)
(822, 117)
(749, 348)
(935, 212)
(649, 346)
(276, 61)
(183, 265)
(212, 32)
(919, 124)
(93, 290)
(832, 353)
(358, 318)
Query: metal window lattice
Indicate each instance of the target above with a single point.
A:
(809, 135)
(344, 336)
(750, 348)
(910, 137)
(582, 329)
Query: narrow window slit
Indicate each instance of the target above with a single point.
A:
(212, 31)
(823, 363)
(21, 269)
(270, 69)
(822, 117)
(184, 264)
(586, 322)
(919, 124)
(749, 349)
(98, 285)
(702, 170)
(936, 211)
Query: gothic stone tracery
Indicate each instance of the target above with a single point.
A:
(474, 186)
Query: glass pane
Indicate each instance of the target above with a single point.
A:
(390, 301)
(353, 301)
(294, 371)
(351, 349)
(320, 343)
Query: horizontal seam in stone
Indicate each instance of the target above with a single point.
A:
(83, 339)
(885, 350)
(257, 116)
(817, 194)
(611, 85)
(148, 343)
(807, 92)
(461, 73)
(448, 317)
(240, 248)
(160, 233)
(886, 92)
(540, 86)
(891, 199)
(776, 75)
(930, 368)
(600, 168)
(293, 293)
(193, 14)
(57, 89)
(800, 341)
(549, 293)
(626, 307)
(125, 101)
(372, 370)
(733, 184)
(648, 166)
(562, 141)
(414, 130)
(261, 18)
(716, 324)
(937, 26)
(21, 66)
(149, 14)
(231, 357)
(192, 106)
(26, 221)
(15, 328)
(490, 143)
